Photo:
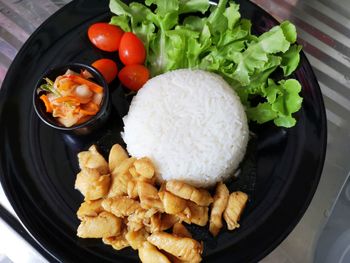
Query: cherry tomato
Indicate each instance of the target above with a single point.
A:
(107, 67)
(131, 49)
(105, 36)
(133, 76)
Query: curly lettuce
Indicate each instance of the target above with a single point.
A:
(217, 39)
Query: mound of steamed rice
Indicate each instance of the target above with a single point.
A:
(191, 124)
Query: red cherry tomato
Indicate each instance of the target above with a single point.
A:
(107, 67)
(131, 49)
(133, 76)
(105, 36)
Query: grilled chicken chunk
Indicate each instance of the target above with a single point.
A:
(172, 204)
(199, 196)
(194, 214)
(132, 189)
(168, 221)
(183, 248)
(148, 195)
(93, 159)
(150, 254)
(218, 207)
(136, 238)
(181, 231)
(91, 184)
(117, 155)
(155, 224)
(144, 167)
(120, 178)
(140, 218)
(121, 206)
(117, 242)
(89, 208)
(103, 225)
(234, 209)
(139, 178)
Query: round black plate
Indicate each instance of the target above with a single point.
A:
(38, 164)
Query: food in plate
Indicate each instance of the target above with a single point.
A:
(142, 219)
(149, 253)
(107, 67)
(191, 124)
(103, 225)
(176, 35)
(183, 248)
(219, 205)
(133, 76)
(105, 36)
(187, 127)
(131, 50)
(234, 208)
(71, 98)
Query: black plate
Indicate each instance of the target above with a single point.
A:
(38, 164)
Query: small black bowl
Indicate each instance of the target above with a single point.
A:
(90, 125)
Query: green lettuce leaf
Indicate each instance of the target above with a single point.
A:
(123, 21)
(291, 59)
(282, 101)
(221, 42)
(192, 6)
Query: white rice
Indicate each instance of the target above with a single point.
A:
(191, 124)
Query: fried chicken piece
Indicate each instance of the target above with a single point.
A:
(120, 178)
(218, 207)
(150, 254)
(235, 206)
(93, 159)
(199, 196)
(172, 204)
(132, 171)
(183, 248)
(144, 167)
(155, 223)
(91, 184)
(181, 231)
(89, 208)
(168, 221)
(123, 167)
(194, 214)
(132, 189)
(136, 238)
(148, 195)
(121, 206)
(116, 156)
(138, 178)
(119, 185)
(140, 218)
(136, 221)
(117, 242)
(174, 259)
(103, 225)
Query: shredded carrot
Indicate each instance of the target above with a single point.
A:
(89, 108)
(76, 110)
(46, 102)
(66, 99)
(93, 86)
(65, 84)
(83, 119)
